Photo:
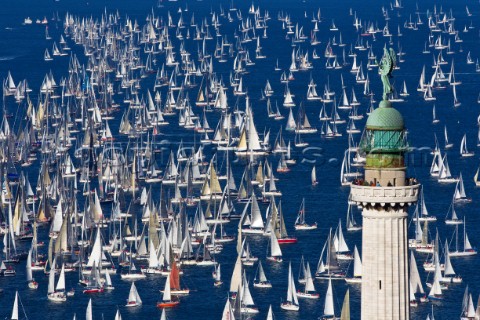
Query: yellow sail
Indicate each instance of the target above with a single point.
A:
(242, 143)
(259, 176)
(214, 183)
(345, 315)
(206, 188)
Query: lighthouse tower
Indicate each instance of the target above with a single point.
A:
(385, 196)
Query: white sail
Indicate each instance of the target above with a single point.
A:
(269, 314)
(291, 292)
(339, 241)
(51, 278)
(236, 279)
(275, 250)
(15, 307)
(448, 271)
(96, 254)
(61, 280)
(29, 266)
(357, 263)
(256, 216)
(415, 281)
(309, 286)
(89, 313)
(227, 313)
(329, 309)
(133, 295)
(247, 298)
(167, 295)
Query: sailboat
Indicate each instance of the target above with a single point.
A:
(329, 308)
(468, 309)
(328, 266)
(291, 304)
(168, 301)
(434, 115)
(436, 289)
(300, 223)
(244, 298)
(132, 273)
(314, 176)
(357, 268)
(404, 92)
(275, 251)
(422, 211)
(309, 291)
(217, 275)
(351, 223)
(16, 303)
(345, 314)
(108, 282)
(253, 224)
(475, 178)
(341, 247)
(453, 215)
(456, 102)
(448, 145)
(460, 195)
(463, 148)
(416, 287)
(444, 172)
(468, 250)
(32, 284)
(134, 299)
(449, 274)
(260, 280)
(174, 287)
(56, 294)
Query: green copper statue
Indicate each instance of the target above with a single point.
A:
(385, 68)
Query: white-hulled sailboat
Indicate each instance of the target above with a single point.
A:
(341, 247)
(275, 251)
(32, 284)
(351, 223)
(468, 250)
(444, 174)
(416, 287)
(134, 299)
(260, 280)
(357, 268)
(329, 308)
(56, 294)
(314, 176)
(291, 304)
(436, 289)
(463, 148)
(309, 291)
(421, 208)
(300, 223)
(449, 274)
(452, 217)
(460, 195)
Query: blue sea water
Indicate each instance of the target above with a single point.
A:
(21, 53)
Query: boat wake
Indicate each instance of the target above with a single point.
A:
(7, 58)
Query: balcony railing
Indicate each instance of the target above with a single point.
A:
(383, 195)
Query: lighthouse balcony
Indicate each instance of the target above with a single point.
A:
(393, 195)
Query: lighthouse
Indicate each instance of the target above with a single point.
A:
(384, 196)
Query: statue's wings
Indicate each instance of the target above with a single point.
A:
(386, 63)
(393, 58)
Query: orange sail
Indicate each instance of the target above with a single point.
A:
(174, 277)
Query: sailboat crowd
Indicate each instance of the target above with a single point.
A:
(94, 194)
